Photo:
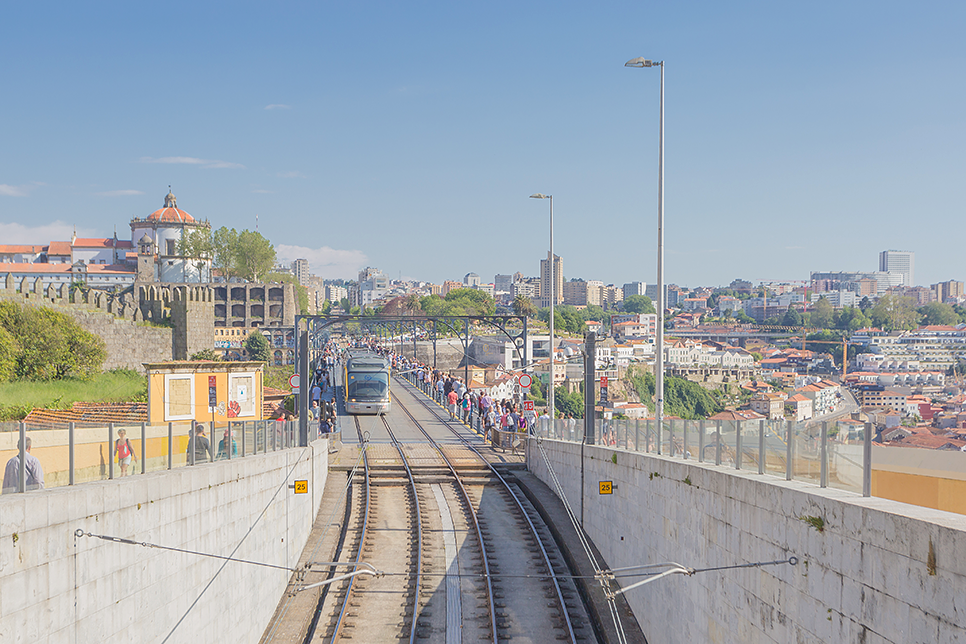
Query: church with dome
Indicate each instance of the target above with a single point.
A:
(151, 256)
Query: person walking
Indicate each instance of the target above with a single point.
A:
(123, 451)
(452, 397)
(33, 471)
(199, 449)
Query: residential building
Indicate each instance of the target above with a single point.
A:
(634, 288)
(899, 261)
(855, 281)
(582, 293)
(334, 293)
(449, 285)
(933, 347)
(799, 407)
(503, 283)
(951, 291)
(471, 280)
(300, 269)
(838, 299)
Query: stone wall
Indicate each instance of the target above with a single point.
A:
(61, 588)
(877, 570)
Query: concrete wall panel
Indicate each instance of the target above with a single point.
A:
(61, 588)
(867, 576)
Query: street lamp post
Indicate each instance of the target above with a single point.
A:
(659, 347)
(553, 298)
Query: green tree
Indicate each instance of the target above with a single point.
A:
(206, 354)
(470, 301)
(791, 318)
(522, 305)
(257, 347)
(939, 313)
(255, 255)
(9, 349)
(565, 403)
(865, 304)
(639, 304)
(823, 315)
(893, 312)
(51, 345)
(224, 243)
(197, 245)
(851, 318)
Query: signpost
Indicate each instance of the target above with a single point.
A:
(293, 382)
(603, 389)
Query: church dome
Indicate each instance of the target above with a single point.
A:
(170, 213)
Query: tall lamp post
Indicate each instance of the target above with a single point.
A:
(553, 298)
(659, 347)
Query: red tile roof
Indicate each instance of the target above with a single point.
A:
(171, 215)
(20, 248)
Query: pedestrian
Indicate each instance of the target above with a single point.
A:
(314, 412)
(123, 451)
(451, 399)
(32, 470)
(199, 449)
(488, 419)
(222, 450)
(316, 393)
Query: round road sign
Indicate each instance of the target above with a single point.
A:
(526, 380)
(293, 381)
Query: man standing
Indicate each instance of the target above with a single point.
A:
(199, 449)
(452, 397)
(32, 469)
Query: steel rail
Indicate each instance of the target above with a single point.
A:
(519, 504)
(472, 513)
(419, 529)
(336, 632)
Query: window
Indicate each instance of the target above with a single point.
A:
(169, 246)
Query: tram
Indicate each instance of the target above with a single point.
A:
(366, 383)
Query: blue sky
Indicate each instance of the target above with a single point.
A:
(408, 136)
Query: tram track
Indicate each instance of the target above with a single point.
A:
(546, 565)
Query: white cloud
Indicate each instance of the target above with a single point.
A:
(17, 191)
(43, 234)
(294, 174)
(325, 262)
(118, 193)
(278, 106)
(205, 163)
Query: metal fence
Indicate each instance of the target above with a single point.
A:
(72, 455)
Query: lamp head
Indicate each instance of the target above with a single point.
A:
(540, 195)
(641, 62)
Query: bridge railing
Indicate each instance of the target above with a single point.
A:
(69, 455)
(827, 453)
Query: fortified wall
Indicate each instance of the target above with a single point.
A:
(139, 324)
(869, 569)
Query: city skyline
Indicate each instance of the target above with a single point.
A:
(410, 138)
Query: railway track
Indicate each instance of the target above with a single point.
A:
(461, 557)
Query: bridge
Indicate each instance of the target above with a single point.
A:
(411, 528)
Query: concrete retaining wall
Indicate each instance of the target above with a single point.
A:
(60, 588)
(878, 571)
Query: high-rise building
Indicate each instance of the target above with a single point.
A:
(899, 261)
(471, 280)
(503, 283)
(634, 288)
(546, 280)
(300, 268)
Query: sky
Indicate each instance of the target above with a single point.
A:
(408, 136)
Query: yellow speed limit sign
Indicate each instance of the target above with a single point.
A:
(606, 487)
(301, 487)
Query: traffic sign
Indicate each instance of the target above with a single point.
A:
(293, 381)
(606, 487)
(527, 405)
(525, 381)
(301, 487)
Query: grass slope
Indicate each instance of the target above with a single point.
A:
(121, 385)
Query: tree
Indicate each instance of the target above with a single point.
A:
(257, 347)
(852, 318)
(244, 254)
(823, 315)
(206, 354)
(50, 345)
(565, 403)
(894, 312)
(939, 313)
(254, 255)
(791, 318)
(865, 304)
(197, 245)
(522, 305)
(639, 304)
(9, 349)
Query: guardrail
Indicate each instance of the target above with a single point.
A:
(72, 455)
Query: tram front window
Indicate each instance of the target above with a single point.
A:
(367, 387)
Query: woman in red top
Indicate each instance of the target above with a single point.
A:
(124, 451)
